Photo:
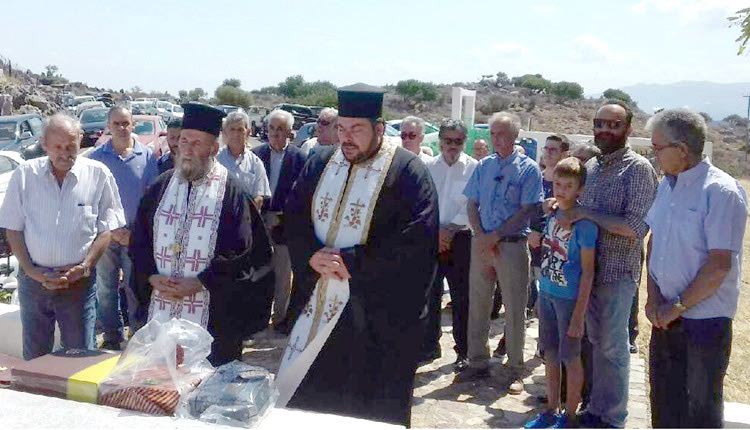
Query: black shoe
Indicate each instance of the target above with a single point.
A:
(111, 345)
(500, 351)
(588, 420)
(472, 374)
(633, 348)
(461, 364)
(495, 314)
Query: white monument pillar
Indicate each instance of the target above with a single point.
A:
(464, 102)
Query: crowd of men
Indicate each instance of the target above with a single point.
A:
(345, 245)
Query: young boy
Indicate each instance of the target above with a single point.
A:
(567, 276)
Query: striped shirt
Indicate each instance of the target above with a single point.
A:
(60, 223)
(622, 183)
(248, 168)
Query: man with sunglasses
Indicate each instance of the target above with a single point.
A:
(412, 135)
(620, 187)
(326, 132)
(451, 171)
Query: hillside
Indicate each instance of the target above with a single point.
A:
(25, 92)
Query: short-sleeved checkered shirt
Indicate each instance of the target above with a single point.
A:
(622, 183)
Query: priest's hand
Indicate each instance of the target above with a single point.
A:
(549, 205)
(328, 263)
(174, 289)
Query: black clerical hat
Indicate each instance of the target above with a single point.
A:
(202, 117)
(361, 101)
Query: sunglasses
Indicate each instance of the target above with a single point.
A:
(410, 136)
(324, 123)
(454, 142)
(612, 124)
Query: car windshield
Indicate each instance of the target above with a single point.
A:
(144, 127)
(94, 116)
(390, 131)
(177, 109)
(163, 104)
(7, 131)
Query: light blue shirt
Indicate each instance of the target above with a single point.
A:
(704, 209)
(133, 173)
(248, 168)
(502, 185)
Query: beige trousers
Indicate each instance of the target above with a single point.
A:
(509, 267)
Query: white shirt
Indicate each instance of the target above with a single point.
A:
(277, 157)
(60, 223)
(426, 158)
(248, 168)
(308, 146)
(450, 182)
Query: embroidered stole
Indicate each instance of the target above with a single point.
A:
(341, 211)
(185, 230)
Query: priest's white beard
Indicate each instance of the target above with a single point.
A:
(194, 169)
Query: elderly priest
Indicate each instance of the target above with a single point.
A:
(199, 241)
(362, 223)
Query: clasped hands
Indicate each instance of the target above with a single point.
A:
(57, 279)
(173, 288)
(329, 264)
(661, 314)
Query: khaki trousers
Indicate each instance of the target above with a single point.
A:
(509, 267)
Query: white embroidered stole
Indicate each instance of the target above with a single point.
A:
(185, 231)
(341, 210)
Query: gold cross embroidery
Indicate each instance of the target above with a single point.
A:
(322, 211)
(355, 214)
(340, 164)
(369, 169)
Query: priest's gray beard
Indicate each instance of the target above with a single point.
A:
(194, 169)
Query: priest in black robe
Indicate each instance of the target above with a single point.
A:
(238, 304)
(366, 366)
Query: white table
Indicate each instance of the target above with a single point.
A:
(20, 410)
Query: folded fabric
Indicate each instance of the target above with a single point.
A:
(152, 391)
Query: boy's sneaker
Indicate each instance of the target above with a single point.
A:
(564, 422)
(543, 420)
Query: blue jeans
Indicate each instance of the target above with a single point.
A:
(607, 326)
(109, 312)
(74, 309)
(554, 320)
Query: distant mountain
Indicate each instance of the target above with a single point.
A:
(717, 100)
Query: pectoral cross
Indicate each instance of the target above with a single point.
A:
(176, 248)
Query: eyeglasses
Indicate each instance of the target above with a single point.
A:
(455, 142)
(612, 124)
(410, 136)
(551, 149)
(659, 148)
(324, 123)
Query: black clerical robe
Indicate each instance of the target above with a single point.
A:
(366, 367)
(238, 305)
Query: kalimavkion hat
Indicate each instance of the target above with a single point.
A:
(202, 117)
(361, 101)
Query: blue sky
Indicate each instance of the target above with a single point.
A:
(173, 45)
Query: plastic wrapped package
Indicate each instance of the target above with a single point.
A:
(162, 362)
(237, 394)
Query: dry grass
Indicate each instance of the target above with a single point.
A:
(736, 387)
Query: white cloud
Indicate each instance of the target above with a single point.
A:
(544, 8)
(712, 13)
(509, 49)
(589, 48)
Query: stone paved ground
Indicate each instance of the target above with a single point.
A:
(438, 403)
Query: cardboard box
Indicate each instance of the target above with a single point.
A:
(73, 374)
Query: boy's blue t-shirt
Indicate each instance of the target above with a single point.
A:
(561, 256)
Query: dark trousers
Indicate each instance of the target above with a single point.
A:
(633, 323)
(454, 266)
(687, 365)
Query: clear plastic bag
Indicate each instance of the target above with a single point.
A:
(162, 362)
(237, 394)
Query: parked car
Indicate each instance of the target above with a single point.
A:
(227, 109)
(87, 105)
(150, 129)
(255, 114)
(143, 107)
(171, 111)
(21, 133)
(302, 114)
(9, 160)
(93, 122)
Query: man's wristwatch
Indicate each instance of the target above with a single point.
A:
(678, 304)
(86, 270)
